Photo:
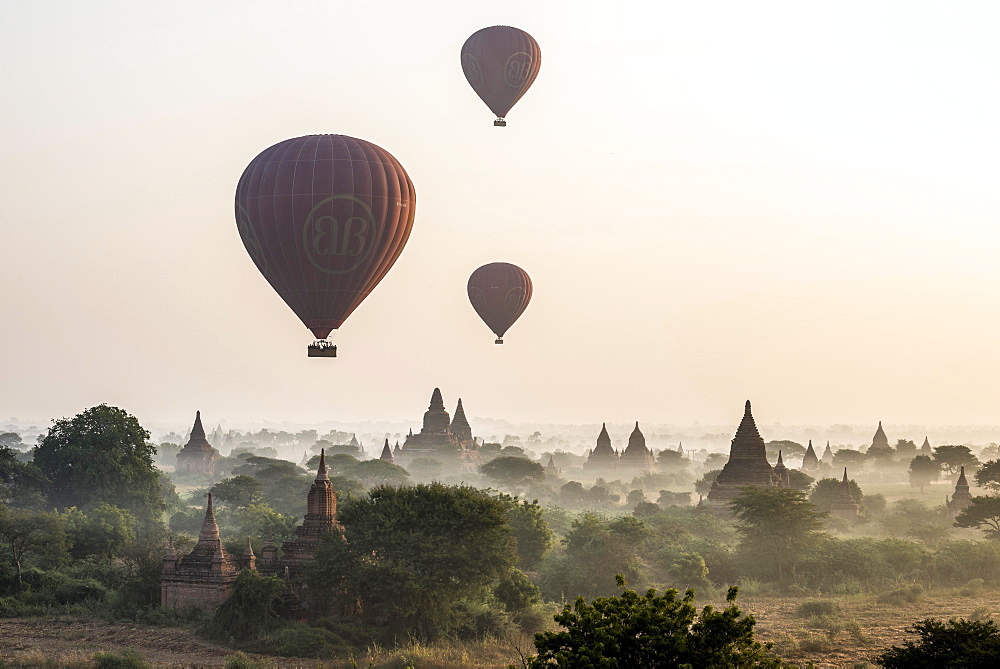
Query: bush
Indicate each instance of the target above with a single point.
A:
(304, 641)
(243, 661)
(250, 610)
(957, 643)
(12, 607)
(972, 588)
(909, 594)
(80, 590)
(817, 607)
(129, 659)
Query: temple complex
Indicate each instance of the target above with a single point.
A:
(879, 442)
(636, 458)
(197, 456)
(387, 453)
(747, 465)
(961, 498)
(925, 449)
(438, 439)
(204, 577)
(809, 461)
(845, 506)
(603, 457)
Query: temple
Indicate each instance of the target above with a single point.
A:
(809, 461)
(551, 471)
(636, 458)
(603, 457)
(747, 466)
(204, 577)
(198, 456)
(879, 442)
(827, 458)
(386, 453)
(781, 472)
(961, 498)
(845, 506)
(925, 449)
(441, 437)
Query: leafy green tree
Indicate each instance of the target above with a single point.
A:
(923, 470)
(777, 526)
(956, 643)
(412, 554)
(251, 610)
(372, 473)
(28, 532)
(790, 449)
(690, 571)
(952, 458)
(905, 448)
(827, 490)
(513, 472)
(651, 630)
(425, 468)
(10, 440)
(105, 531)
(989, 476)
(284, 484)
(670, 459)
(847, 457)
(101, 455)
(532, 533)
(238, 491)
(800, 480)
(703, 485)
(668, 498)
(634, 497)
(516, 591)
(982, 513)
(572, 494)
(913, 519)
(22, 484)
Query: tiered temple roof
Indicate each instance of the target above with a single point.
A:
(879, 441)
(386, 452)
(961, 498)
(636, 455)
(460, 425)
(925, 448)
(845, 506)
(809, 461)
(197, 456)
(827, 458)
(781, 471)
(603, 456)
(747, 465)
(437, 439)
(320, 519)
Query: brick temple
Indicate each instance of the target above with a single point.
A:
(198, 456)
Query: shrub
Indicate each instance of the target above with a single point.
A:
(817, 607)
(815, 643)
(129, 659)
(909, 594)
(980, 613)
(243, 661)
(972, 588)
(304, 641)
(80, 590)
(250, 610)
(957, 643)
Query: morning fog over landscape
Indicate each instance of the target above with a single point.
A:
(541, 334)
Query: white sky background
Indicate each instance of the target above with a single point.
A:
(791, 202)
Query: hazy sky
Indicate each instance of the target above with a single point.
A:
(791, 202)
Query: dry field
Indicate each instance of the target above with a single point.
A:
(848, 639)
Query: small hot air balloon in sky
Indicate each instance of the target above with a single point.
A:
(499, 293)
(500, 64)
(324, 217)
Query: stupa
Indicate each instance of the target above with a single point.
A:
(386, 452)
(603, 457)
(198, 456)
(747, 465)
(845, 506)
(809, 461)
(880, 443)
(961, 498)
(636, 458)
(781, 472)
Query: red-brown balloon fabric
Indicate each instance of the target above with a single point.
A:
(324, 217)
(500, 64)
(499, 293)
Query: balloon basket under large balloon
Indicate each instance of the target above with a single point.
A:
(500, 123)
(321, 348)
(499, 340)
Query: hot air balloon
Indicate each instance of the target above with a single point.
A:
(324, 217)
(499, 293)
(500, 64)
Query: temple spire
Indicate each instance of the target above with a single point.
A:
(437, 402)
(321, 474)
(962, 482)
(197, 432)
(386, 451)
(209, 527)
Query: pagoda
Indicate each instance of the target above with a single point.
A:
(203, 577)
(845, 506)
(636, 457)
(961, 498)
(437, 439)
(926, 449)
(320, 520)
(551, 471)
(603, 457)
(198, 456)
(827, 458)
(460, 424)
(880, 443)
(781, 472)
(387, 453)
(747, 466)
(809, 461)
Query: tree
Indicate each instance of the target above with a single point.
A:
(776, 526)
(250, 611)
(513, 472)
(790, 449)
(912, 518)
(905, 448)
(533, 536)
(372, 473)
(982, 513)
(101, 455)
(572, 494)
(10, 440)
(800, 480)
(26, 532)
(952, 458)
(670, 459)
(956, 643)
(412, 554)
(989, 475)
(651, 630)
(923, 470)
(105, 532)
(827, 490)
(22, 484)
(703, 485)
(238, 491)
(847, 457)
(634, 497)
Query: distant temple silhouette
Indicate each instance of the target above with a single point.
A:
(879, 442)
(961, 498)
(747, 466)
(809, 461)
(441, 437)
(198, 456)
(844, 505)
(635, 459)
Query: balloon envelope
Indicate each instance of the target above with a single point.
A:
(324, 217)
(499, 293)
(501, 63)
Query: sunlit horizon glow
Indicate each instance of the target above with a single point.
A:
(787, 202)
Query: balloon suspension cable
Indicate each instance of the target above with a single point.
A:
(500, 122)
(499, 340)
(322, 348)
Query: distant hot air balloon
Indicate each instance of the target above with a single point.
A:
(500, 64)
(324, 217)
(499, 293)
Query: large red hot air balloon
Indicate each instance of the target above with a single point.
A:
(500, 64)
(499, 293)
(324, 217)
